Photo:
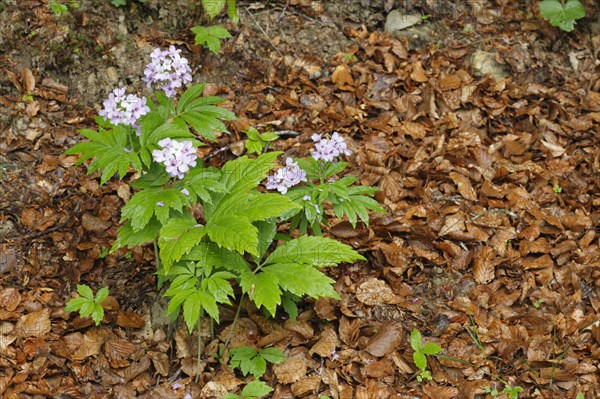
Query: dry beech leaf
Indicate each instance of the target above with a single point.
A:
(484, 267)
(35, 324)
(452, 223)
(213, 389)
(387, 339)
(325, 346)
(117, 351)
(374, 292)
(418, 74)
(161, 362)
(28, 80)
(434, 392)
(305, 385)
(10, 298)
(292, 369)
(464, 186)
(129, 320)
(342, 77)
(350, 330)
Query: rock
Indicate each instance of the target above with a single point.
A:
(112, 74)
(396, 21)
(484, 63)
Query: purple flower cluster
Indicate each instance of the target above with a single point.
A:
(329, 149)
(177, 156)
(168, 67)
(286, 177)
(123, 109)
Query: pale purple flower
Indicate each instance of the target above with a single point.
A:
(177, 156)
(329, 149)
(185, 192)
(286, 177)
(160, 203)
(306, 197)
(123, 109)
(169, 68)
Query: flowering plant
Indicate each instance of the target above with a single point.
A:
(322, 188)
(231, 241)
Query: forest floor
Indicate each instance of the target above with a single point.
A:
(491, 242)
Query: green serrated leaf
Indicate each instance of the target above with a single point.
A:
(262, 289)
(126, 237)
(562, 16)
(190, 95)
(101, 295)
(415, 340)
(97, 314)
(85, 291)
(313, 251)
(75, 304)
(176, 301)
(273, 355)
(177, 238)
(210, 254)
(420, 360)
(191, 310)
(213, 7)
(431, 348)
(87, 308)
(233, 232)
(256, 389)
(288, 301)
(244, 173)
(150, 202)
(266, 232)
(302, 280)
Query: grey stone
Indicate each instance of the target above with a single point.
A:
(396, 21)
(484, 63)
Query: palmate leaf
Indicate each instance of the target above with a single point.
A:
(233, 232)
(256, 389)
(194, 303)
(201, 182)
(313, 251)
(244, 173)
(177, 238)
(562, 16)
(126, 237)
(109, 150)
(262, 289)
(211, 255)
(213, 7)
(302, 280)
(210, 36)
(154, 201)
(356, 207)
(219, 287)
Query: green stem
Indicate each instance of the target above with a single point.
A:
(199, 357)
(235, 319)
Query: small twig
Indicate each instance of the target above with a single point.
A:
(214, 154)
(280, 17)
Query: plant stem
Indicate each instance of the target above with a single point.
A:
(199, 357)
(237, 314)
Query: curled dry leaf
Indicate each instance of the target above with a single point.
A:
(10, 298)
(326, 345)
(439, 392)
(374, 292)
(342, 77)
(386, 340)
(35, 324)
(484, 267)
(305, 385)
(292, 369)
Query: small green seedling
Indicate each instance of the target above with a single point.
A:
(492, 391)
(253, 390)
(562, 13)
(58, 8)
(210, 36)
(87, 305)
(214, 7)
(512, 392)
(557, 189)
(249, 360)
(579, 396)
(420, 353)
(120, 3)
(257, 141)
(538, 303)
